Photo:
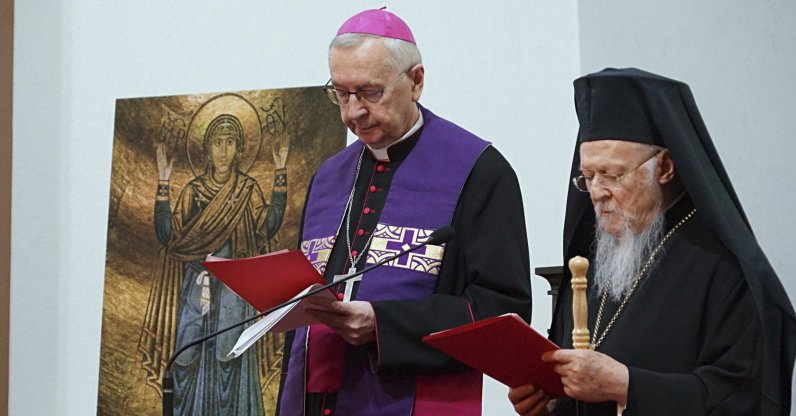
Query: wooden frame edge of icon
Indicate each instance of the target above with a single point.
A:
(6, 105)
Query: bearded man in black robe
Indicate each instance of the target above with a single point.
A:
(687, 314)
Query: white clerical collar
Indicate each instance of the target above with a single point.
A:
(382, 155)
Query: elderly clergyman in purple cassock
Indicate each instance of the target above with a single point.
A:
(409, 173)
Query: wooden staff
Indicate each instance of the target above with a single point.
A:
(580, 309)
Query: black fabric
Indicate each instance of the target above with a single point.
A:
(690, 334)
(612, 106)
(668, 108)
(485, 269)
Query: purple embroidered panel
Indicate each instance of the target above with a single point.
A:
(389, 240)
(331, 187)
(317, 251)
(423, 196)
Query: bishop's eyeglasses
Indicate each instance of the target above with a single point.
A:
(340, 96)
(584, 183)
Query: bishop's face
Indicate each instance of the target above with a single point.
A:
(635, 201)
(367, 66)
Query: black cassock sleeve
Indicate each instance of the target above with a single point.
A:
(485, 272)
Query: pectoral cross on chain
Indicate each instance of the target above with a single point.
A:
(349, 284)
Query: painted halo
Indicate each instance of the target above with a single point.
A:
(236, 106)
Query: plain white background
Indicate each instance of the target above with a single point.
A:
(502, 70)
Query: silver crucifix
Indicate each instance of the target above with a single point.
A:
(349, 284)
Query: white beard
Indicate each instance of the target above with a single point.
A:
(618, 260)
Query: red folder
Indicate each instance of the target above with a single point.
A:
(268, 280)
(504, 348)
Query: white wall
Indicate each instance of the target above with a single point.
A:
(502, 72)
(739, 59)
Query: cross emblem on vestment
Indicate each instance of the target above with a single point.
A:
(405, 244)
(312, 252)
(199, 199)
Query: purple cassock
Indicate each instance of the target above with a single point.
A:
(423, 196)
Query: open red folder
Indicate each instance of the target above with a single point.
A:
(268, 280)
(504, 348)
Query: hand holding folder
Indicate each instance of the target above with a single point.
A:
(504, 348)
(283, 319)
(267, 281)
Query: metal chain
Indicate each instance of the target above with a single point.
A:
(348, 207)
(647, 265)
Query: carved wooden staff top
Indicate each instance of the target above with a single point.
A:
(580, 309)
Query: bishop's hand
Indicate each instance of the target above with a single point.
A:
(530, 401)
(590, 376)
(354, 321)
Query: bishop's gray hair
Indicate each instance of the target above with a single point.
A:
(403, 55)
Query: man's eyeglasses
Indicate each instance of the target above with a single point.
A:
(372, 95)
(584, 183)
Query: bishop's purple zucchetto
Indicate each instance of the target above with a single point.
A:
(378, 22)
